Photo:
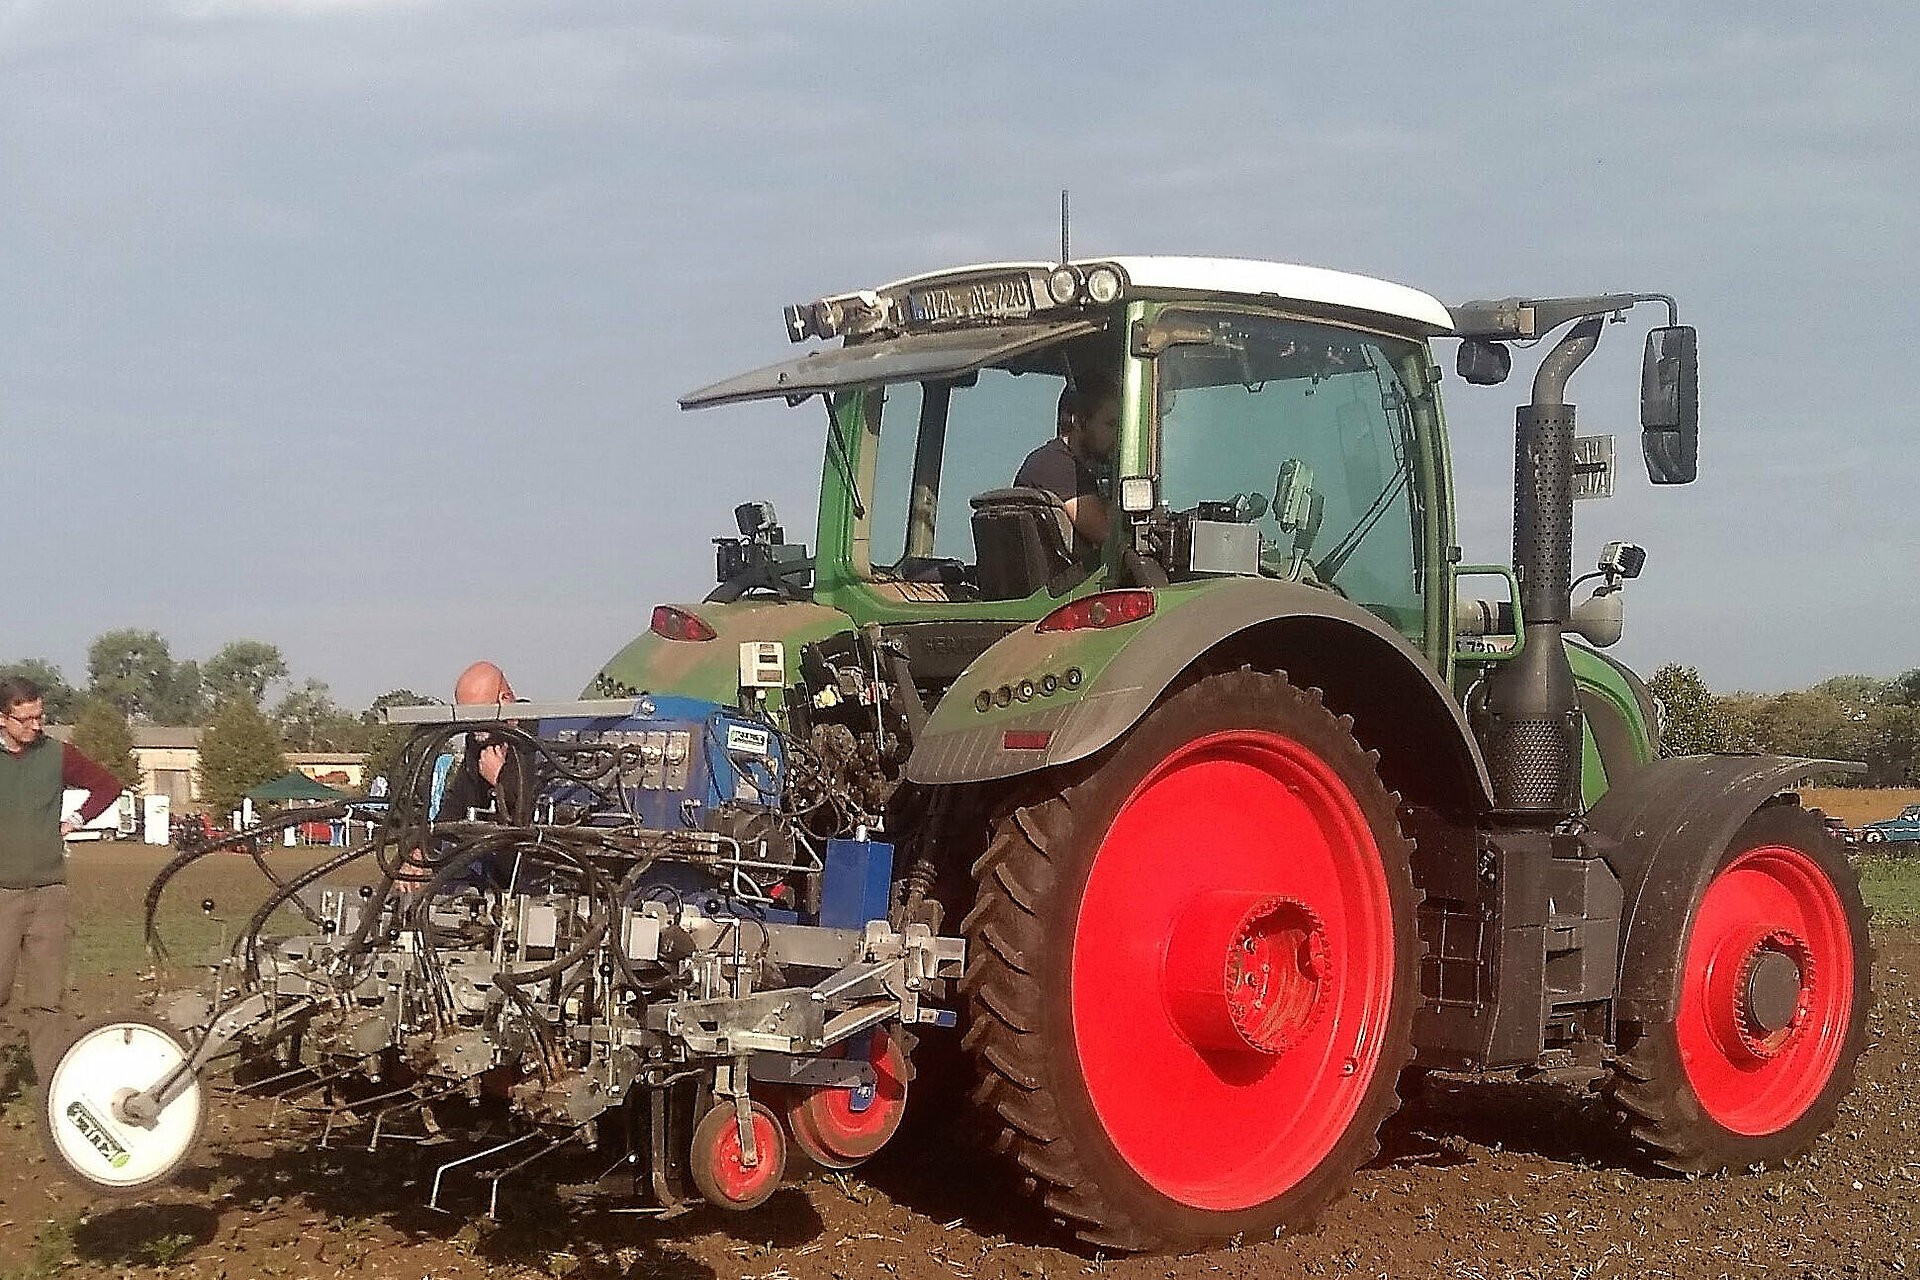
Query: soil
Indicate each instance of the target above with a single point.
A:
(1476, 1179)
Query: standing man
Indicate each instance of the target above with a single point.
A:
(35, 772)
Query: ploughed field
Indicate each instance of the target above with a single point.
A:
(1475, 1178)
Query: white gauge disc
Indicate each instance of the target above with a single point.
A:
(84, 1125)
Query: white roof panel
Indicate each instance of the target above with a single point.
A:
(1286, 280)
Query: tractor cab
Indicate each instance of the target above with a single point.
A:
(1273, 422)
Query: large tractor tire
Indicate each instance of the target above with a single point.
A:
(1191, 975)
(1773, 963)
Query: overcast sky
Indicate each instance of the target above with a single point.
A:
(356, 325)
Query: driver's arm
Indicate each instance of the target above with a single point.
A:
(1090, 517)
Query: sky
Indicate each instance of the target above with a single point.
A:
(356, 326)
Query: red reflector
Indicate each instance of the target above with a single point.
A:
(1026, 739)
(1107, 609)
(678, 624)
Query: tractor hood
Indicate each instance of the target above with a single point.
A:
(710, 669)
(915, 358)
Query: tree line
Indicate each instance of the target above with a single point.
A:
(244, 696)
(1876, 722)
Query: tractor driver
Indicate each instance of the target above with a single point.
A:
(1070, 465)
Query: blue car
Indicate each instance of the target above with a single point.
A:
(1904, 829)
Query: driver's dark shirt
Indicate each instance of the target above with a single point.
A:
(1053, 467)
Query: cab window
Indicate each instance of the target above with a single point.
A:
(1312, 428)
(943, 443)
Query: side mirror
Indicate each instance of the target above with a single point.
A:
(1670, 406)
(1482, 362)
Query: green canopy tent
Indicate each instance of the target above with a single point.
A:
(294, 786)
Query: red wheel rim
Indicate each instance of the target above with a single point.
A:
(1219, 1092)
(829, 1127)
(1756, 1055)
(717, 1146)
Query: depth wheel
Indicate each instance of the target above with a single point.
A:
(720, 1167)
(840, 1128)
(1191, 977)
(85, 1129)
(1774, 972)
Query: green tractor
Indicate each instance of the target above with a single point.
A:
(1248, 809)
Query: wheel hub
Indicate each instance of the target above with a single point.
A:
(1761, 993)
(1247, 972)
(1771, 993)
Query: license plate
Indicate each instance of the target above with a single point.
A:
(1000, 298)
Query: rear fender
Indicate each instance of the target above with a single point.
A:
(1671, 821)
(1364, 668)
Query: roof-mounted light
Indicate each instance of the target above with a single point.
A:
(857, 313)
(1063, 284)
(1104, 285)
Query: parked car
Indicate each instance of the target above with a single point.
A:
(1903, 831)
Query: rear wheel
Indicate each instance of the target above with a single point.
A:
(1190, 976)
(1772, 1012)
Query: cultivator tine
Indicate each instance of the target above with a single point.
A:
(318, 1082)
(404, 1092)
(493, 1197)
(261, 1086)
(433, 1201)
(418, 1100)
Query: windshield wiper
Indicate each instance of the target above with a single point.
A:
(837, 451)
(1336, 559)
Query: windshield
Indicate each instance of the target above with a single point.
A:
(1313, 428)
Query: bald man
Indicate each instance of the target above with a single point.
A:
(472, 785)
(484, 682)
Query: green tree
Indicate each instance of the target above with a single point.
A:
(310, 720)
(238, 752)
(62, 698)
(103, 735)
(243, 668)
(183, 701)
(133, 670)
(383, 741)
(1696, 720)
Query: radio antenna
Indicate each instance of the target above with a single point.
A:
(1065, 223)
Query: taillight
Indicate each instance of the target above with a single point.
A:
(678, 624)
(1107, 609)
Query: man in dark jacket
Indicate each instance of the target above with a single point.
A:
(35, 772)
(1070, 465)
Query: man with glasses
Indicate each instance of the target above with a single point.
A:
(35, 772)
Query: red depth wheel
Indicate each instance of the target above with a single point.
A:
(719, 1165)
(1233, 970)
(839, 1128)
(1766, 1000)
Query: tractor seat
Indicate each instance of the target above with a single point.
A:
(1023, 542)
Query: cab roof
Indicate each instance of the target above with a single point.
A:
(1248, 277)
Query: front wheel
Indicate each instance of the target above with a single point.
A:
(1191, 976)
(1774, 970)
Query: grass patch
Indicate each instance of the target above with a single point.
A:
(1891, 887)
(51, 1254)
(109, 903)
